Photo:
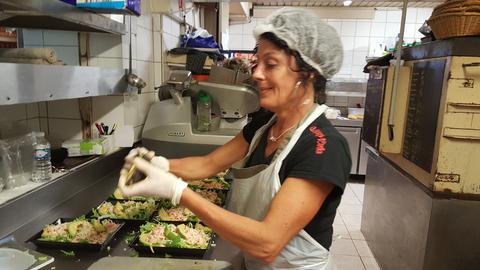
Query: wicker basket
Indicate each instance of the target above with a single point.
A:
(455, 24)
(465, 8)
(451, 6)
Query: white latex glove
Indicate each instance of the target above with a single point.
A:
(158, 161)
(158, 183)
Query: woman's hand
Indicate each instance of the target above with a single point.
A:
(158, 182)
(158, 161)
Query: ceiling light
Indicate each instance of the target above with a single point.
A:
(347, 3)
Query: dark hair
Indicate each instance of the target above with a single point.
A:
(319, 82)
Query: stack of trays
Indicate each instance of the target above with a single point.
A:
(456, 18)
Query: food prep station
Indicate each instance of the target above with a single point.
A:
(66, 197)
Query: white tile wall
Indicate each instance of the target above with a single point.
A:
(109, 110)
(42, 109)
(13, 112)
(34, 124)
(105, 45)
(359, 37)
(65, 43)
(348, 28)
(106, 62)
(145, 69)
(64, 129)
(60, 38)
(67, 108)
(144, 44)
(157, 47)
(363, 29)
(33, 37)
(32, 110)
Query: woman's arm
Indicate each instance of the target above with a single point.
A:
(293, 207)
(191, 168)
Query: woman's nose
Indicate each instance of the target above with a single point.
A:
(257, 74)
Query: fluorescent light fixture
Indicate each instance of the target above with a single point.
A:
(347, 3)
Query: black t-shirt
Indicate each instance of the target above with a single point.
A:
(320, 154)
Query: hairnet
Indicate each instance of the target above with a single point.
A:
(317, 42)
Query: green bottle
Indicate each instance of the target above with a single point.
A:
(204, 110)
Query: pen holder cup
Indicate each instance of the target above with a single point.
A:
(108, 143)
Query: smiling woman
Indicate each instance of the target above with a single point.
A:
(288, 157)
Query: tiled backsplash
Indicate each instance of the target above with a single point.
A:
(359, 37)
(65, 43)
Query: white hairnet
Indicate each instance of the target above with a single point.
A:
(317, 42)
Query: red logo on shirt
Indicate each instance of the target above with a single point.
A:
(321, 140)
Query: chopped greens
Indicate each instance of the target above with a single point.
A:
(132, 210)
(130, 237)
(216, 182)
(169, 235)
(168, 212)
(79, 230)
(69, 253)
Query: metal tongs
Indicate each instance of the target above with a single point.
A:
(147, 156)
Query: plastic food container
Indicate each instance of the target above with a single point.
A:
(356, 113)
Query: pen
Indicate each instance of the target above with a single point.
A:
(103, 128)
(100, 131)
(113, 128)
(106, 130)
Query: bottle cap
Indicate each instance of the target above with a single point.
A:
(204, 97)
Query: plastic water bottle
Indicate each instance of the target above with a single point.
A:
(204, 110)
(42, 167)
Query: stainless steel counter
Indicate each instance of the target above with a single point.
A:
(408, 227)
(346, 122)
(74, 195)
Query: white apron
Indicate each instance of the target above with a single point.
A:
(254, 188)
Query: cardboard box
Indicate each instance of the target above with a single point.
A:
(227, 76)
(113, 7)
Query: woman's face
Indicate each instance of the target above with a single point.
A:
(275, 75)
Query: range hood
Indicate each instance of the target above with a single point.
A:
(55, 15)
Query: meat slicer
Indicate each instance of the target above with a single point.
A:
(170, 126)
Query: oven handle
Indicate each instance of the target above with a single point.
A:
(474, 64)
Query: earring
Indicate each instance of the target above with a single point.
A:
(298, 84)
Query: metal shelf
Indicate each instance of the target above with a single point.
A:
(183, 66)
(25, 83)
(55, 15)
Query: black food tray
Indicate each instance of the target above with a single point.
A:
(67, 245)
(221, 193)
(156, 217)
(135, 222)
(193, 253)
(174, 252)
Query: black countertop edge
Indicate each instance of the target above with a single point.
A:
(429, 192)
(460, 46)
(36, 203)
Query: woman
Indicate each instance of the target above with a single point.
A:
(290, 165)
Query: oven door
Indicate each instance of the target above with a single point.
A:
(352, 134)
